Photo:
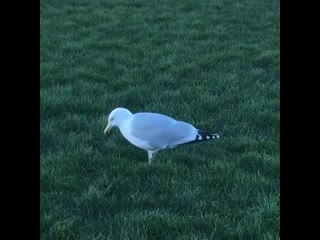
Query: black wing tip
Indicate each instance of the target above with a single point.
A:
(215, 135)
(203, 135)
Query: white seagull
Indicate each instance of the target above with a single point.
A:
(153, 131)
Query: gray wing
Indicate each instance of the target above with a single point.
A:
(161, 131)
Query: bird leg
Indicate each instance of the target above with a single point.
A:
(151, 155)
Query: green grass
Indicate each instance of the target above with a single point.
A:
(215, 64)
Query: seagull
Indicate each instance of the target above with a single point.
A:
(154, 132)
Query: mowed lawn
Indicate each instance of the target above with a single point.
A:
(215, 64)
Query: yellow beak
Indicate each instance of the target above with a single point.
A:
(107, 130)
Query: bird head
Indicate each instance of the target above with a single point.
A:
(116, 118)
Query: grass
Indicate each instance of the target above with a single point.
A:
(215, 64)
